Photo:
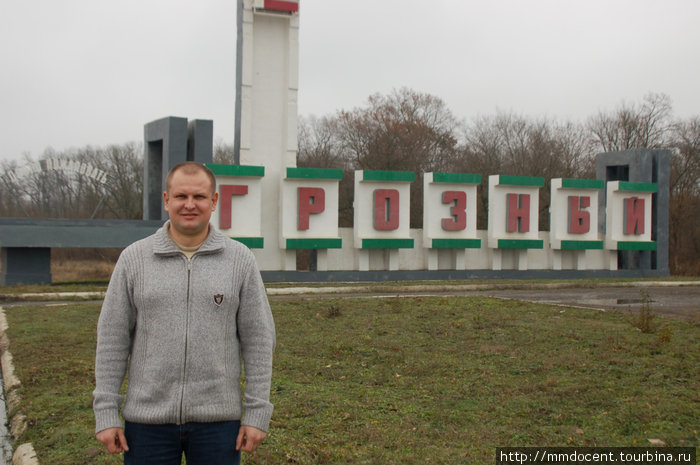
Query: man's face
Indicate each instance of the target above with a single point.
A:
(190, 202)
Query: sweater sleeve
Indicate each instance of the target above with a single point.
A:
(256, 331)
(114, 329)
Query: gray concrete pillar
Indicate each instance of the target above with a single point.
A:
(167, 142)
(200, 140)
(25, 265)
(640, 165)
(165, 145)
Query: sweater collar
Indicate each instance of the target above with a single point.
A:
(163, 244)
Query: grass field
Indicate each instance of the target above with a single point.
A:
(406, 380)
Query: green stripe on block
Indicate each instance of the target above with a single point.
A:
(320, 243)
(314, 173)
(534, 181)
(457, 178)
(394, 176)
(251, 242)
(387, 243)
(581, 245)
(639, 186)
(636, 245)
(456, 244)
(582, 183)
(236, 170)
(520, 244)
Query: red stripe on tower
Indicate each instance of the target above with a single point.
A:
(281, 5)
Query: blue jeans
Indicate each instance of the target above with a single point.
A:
(202, 443)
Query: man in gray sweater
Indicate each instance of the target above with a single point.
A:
(185, 310)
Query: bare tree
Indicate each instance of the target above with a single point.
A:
(630, 126)
(684, 223)
(12, 203)
(516, 145)
(51, 193)
(223, 153)
(405, 130)
(402, 130)
(319, 143)
(320, 147)
(124, 164)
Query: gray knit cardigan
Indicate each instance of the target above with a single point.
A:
(184, 327)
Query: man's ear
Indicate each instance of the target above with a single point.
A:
(215, 200)
(165, 200)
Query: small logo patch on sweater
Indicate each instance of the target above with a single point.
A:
(218, 299)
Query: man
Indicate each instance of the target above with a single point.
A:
(185, 309)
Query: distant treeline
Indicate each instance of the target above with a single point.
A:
(406, 131)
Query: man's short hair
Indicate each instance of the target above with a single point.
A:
(191, 167)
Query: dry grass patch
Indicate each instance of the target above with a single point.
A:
(81, 270)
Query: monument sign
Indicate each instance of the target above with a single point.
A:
(615, 225)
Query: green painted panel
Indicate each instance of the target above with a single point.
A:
(582, 183)
(456, 243)
(387, 243)
(638, 186)
(457, 178)
(636, 245)
(236, 170)
(581, 245)
(534, 181)
(395, 176)
(311, 243)
(520, 244)
(251, 242)
(314, 173)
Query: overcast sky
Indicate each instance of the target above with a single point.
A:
(79, 72)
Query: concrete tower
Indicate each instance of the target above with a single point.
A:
(266, 103)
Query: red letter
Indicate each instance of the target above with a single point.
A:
(386, 209)
(311, 200)
(634, 216)
(579, 220)
(518, 214)
(227, 192)
(458, 221)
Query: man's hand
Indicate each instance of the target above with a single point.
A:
(113, 439)
(249, 438)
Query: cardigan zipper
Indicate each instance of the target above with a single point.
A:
(187, 331)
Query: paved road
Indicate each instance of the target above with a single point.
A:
(677, 302)
(681, 302)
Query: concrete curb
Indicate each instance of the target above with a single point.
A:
(383, 288)
(24, 454)
(41, 296)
